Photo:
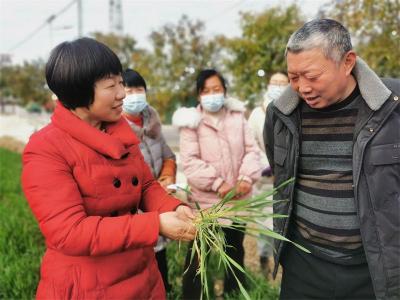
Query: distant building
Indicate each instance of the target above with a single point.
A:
(5, 60)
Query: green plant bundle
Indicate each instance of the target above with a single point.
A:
(245, 215)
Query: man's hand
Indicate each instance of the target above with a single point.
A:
(243, 188)
(173, 227)
(185, 213)
(224, 189)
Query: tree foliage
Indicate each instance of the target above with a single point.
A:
(178, 52)
(123, 46)
(26, 83)
(261, 46)
(375, 29)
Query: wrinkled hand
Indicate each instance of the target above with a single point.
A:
(243, 188)
(173, 227)
(224, 189)
(185, 213)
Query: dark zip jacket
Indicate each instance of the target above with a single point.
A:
(376, 172)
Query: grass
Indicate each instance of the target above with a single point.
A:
(21, 246)
(239, 214)
(258, 288)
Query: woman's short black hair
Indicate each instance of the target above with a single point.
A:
(132, 78)
(74, 67)
(204, 75)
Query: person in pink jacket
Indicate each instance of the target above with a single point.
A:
(218, 153)
(85, 180)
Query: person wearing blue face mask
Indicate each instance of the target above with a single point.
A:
(135, 103)
(218, 154)
(145, 122)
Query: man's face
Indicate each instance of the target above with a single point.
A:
(319, 81)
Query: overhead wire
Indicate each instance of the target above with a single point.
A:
(50, 19)
(214, 17)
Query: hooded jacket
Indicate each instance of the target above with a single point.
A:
(376, 171)
(213, 154)
(85, 187)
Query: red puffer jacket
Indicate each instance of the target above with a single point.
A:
(85, 187)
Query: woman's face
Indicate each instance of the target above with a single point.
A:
(108, 95)
(135, 90)
(212, 85)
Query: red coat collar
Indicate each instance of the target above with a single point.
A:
(114, 142)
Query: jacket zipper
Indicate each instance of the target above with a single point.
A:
(152, 164)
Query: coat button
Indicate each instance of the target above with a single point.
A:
(114, 213)
(371, 130)
(117, 182)
(395, 98)
(135, 181)
(133, 210)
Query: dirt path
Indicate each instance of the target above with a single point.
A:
(11, 144)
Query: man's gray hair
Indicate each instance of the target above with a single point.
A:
(328, 35)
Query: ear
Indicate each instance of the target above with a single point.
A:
(349, 61)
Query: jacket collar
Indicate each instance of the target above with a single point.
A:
(114, 142)
(191, 117)
(372, 89)
(151, 122)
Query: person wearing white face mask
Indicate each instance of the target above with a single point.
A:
(145, 122)
(276, 86)
(218, 154)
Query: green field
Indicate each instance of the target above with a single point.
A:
(21, 244)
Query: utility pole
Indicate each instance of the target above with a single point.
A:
(115, 15)
(80, 20)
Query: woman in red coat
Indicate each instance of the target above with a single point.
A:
(85, 180)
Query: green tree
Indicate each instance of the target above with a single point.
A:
(178, 52)
(25, 82)
(123, 46)
(375, 29)
(261, 47)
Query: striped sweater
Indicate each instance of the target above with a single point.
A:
(326, 220)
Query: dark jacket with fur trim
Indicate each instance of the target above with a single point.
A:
(376, 171)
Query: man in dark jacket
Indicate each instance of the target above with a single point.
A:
(336, 130)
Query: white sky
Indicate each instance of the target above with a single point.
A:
(19, 18)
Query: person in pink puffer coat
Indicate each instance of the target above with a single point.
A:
(218, 153)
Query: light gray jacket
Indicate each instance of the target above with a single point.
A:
(153, 145)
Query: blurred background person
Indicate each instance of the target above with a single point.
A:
(85, 180)
(277, 84)
(145, 122)
(218, 154)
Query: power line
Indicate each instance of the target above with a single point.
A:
(50, 19)
(214, 17)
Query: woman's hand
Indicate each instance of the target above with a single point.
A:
(224, 189)
(243, 188)
(173, 226)
(166, 181)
